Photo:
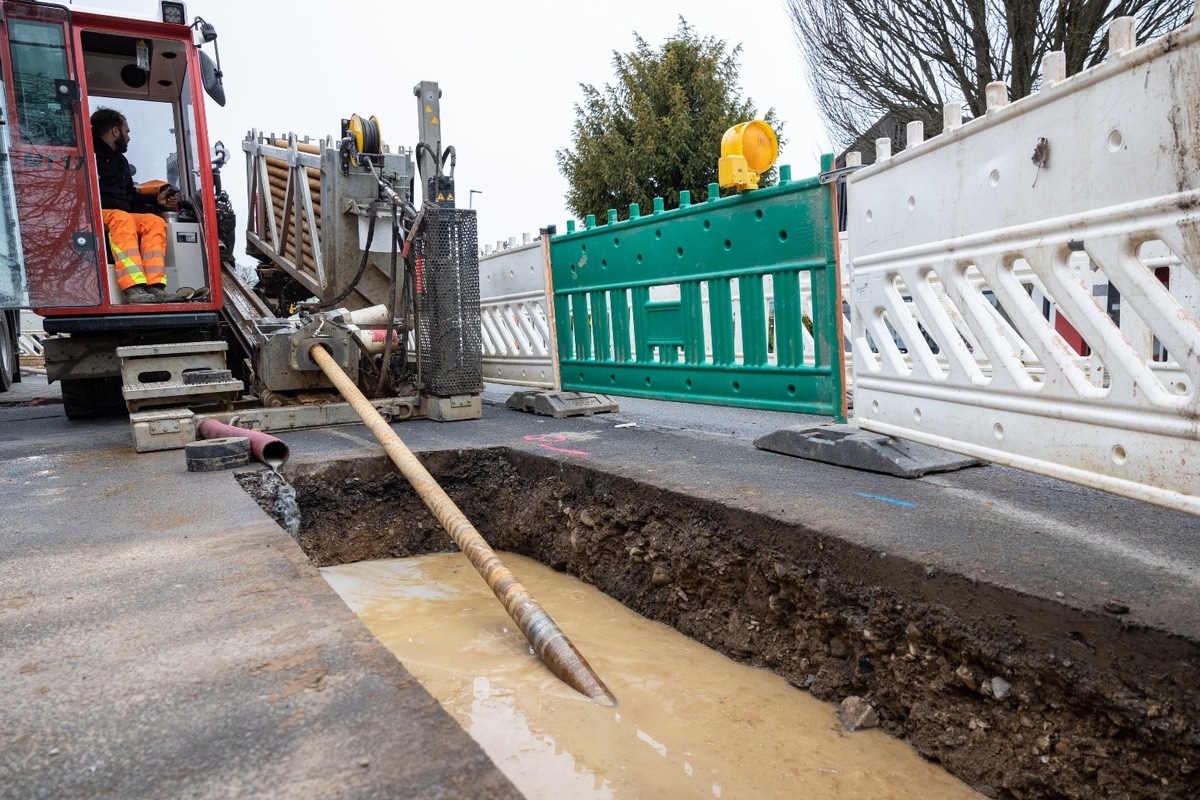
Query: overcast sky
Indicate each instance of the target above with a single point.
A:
(509, 74)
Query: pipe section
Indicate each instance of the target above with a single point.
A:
(549, 642)
(265, 447)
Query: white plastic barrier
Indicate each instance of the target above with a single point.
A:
(1048, 252)
(512, 294)
(512, 305)
(29, 342)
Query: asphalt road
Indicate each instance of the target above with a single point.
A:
(160, 636)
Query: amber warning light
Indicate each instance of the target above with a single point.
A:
(747, 151)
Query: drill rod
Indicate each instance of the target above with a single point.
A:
(548, 641)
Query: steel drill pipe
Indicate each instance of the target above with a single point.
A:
(549, 642)
(279, 192)
(302, 147)
(265, 447)
(284, 175)
(280, 183)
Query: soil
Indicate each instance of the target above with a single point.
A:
(1019, 696)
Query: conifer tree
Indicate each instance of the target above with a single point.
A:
(657, 128)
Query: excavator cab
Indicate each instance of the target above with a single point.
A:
(58, 67)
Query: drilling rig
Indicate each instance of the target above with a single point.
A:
(349, 260)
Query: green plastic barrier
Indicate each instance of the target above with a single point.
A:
(656, 306)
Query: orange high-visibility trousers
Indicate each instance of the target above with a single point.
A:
(139, 245)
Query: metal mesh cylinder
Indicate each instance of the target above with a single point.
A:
(449, 330)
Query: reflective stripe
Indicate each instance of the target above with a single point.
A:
(129, 271)
(154, 266)
(142, 259)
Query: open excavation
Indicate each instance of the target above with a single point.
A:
(683, 705)
(916, 444)
(976, 678)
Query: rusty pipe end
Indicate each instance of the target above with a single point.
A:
(588, 683)
(266, 448)
(274, 453)
(573, 669)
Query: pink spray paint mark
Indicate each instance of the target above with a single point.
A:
(541, 439)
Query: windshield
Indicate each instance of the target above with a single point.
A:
(152, 143)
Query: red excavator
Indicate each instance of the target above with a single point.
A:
(58, 67)
(393, 290)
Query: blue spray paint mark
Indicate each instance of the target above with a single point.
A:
(891, 500)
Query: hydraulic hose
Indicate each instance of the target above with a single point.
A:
(385, 365)
(548, 640)
(433, 156)
(362, 264)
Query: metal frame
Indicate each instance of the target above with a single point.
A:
(267, 232)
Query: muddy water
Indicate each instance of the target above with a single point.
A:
(688, 722)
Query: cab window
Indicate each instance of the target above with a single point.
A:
(43, 94)
(152, 142)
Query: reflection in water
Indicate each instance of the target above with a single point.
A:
(688, 722)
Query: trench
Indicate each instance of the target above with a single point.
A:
(689, 723)
(976, 678)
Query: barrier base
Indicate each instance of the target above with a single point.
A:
(847, 446)
(561, 404)
(453, 409)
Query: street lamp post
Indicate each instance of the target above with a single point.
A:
(471, 197)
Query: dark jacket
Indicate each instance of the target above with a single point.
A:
(116, 182)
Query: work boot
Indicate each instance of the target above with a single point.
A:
(161, 295)
(137, 295)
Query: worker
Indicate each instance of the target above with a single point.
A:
(137, 236)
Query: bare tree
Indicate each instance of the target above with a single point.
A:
(906, 59)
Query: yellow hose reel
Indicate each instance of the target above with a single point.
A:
(366, 134)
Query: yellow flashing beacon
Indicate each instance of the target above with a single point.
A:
(747, 150)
